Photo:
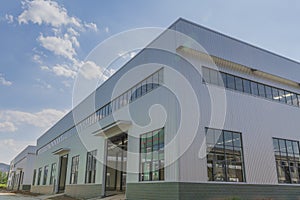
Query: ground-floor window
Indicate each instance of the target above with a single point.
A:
(46, 169)
(91, 162)
(225, 161)
(34, 177)
(53, 174)
(74, 170)
(287, 160)
(152, 157)
(39, 176)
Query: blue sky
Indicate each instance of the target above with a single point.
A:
(43, 43)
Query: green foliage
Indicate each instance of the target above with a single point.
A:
(3, 178)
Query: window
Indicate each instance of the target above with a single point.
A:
(254, 88)
(152, 156)
(225, 161)
(46, 169)
(247, 86)
(224, 79)
(214, 77)
(39, 176)
(261, 90)
(34, 177)
(275, 94)
(53, 174)
(230, 82)
(294, 100)
(251, 87)
(91, 167)
(74, 170)
(239, 84)
(282, 96)
(269, 92)
(287, 160)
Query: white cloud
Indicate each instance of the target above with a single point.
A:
(58, 45)
(91, 26)
(43, 84)
(7, 127)
(3, 81)
(42, 119)
(73, 32)
(12, 148)
(64, 70)
(48, 12)
(106, 29)
(45, 68)
(37, 58)
(90, 70)
(9, 18)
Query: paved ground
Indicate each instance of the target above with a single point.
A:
(5, 195)
(12, 196)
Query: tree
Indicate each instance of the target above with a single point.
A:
(3, 177)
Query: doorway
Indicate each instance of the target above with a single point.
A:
(62, 173)
(116, 164)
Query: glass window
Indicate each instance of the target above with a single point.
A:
(91, 162)
(288, 97)
(225, 158)
(230, 82)
(155, 80)
(53, 174)
(74, 170)
(144, 87)
(269, 92)
(152, 156)
(34, 177)
(213, 76)
(46, 169)
(239, 84)
(285, 153)
(275, 94)
(39, 176)
(282, 96)
(261, 90)
(254, 88)
(294, 99)
(247, 86)
(223, 79)
(205, 75)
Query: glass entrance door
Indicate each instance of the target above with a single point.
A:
(116, 164)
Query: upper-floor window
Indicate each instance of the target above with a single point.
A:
(287, 160)
(152, 158)
(240, 84)
(225, 161)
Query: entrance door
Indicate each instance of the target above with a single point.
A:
(62, 173)
(116, 163)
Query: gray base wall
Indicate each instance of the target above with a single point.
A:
(84, 190)
(42, 189)
(210, 191)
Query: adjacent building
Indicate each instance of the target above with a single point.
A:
(194, 115)
(20, 171)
